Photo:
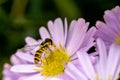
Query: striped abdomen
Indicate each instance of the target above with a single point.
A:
(37, 56)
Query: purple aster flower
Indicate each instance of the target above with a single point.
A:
(65, 44)
(109, 31)
(107, 66)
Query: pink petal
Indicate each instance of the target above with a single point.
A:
(72, 24)
(74, 73)
(116, 11)
(112, 19)
(103, 56)
(56, 31)
(65, 30)
(6, 69)
(34, 77)
(23, 68)
(30, 41)
(89, 37)
(70, 74)
(58, 25)
(25, 56)
(116, 75)
(103, 31)
(14, 60)
(53, 78)
(77, 35)
(44, 33)
(52, 30)
(86, 64)
(93, 57)
(113, 60)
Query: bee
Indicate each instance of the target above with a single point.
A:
(42, 50)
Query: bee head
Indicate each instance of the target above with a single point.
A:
(48, 40)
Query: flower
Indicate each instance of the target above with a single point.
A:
(109, 31)
(107, 66)
(55, 58)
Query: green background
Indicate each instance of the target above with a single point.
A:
(21, 18)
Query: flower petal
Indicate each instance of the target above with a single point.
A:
(25, 56)
(56, 31)
(52, 30)
(6, 69)
(89, 37)
(15, 60)
(32, 77)
(116, 75)
(58, 25)
(74, 73)
(70, 74)
(44, 33)
(103, 31)
(112, 20)
(86, 64)
(65, 30)
(53, 78)
(103, 56)
(23, 68)
(116, 11)
(113, 60)
(77, 35)
(31, 41)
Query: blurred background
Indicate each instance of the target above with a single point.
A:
(21, 18)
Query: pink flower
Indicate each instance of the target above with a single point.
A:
(66, 43)
(106, 68)
(109, 31)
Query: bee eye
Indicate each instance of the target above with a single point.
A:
(42, 43)
(48, 40)
(51, 42)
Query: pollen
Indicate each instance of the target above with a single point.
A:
(54, 63)
(96, 77)
(118, 40)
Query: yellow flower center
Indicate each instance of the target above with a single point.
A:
(118, 40)
(54, 63)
